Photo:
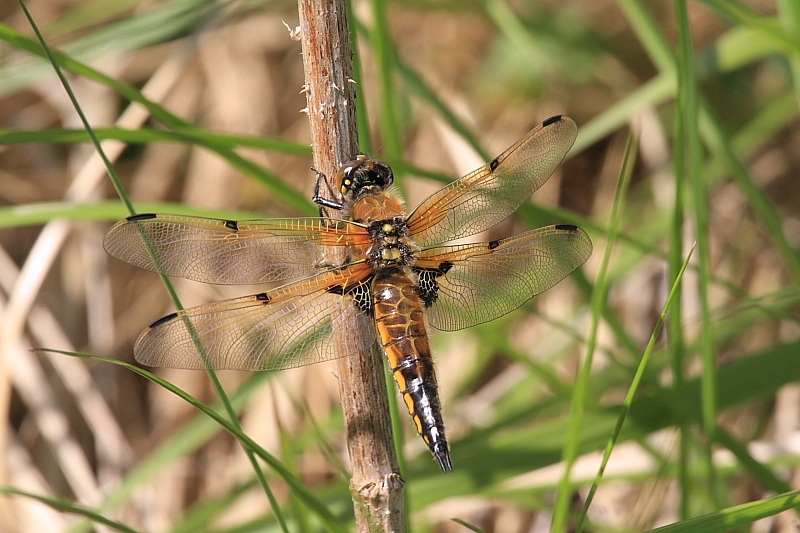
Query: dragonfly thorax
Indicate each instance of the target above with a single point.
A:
(390, 246)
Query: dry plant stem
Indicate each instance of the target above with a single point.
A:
(376, 485)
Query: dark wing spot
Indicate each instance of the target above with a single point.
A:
(163, 319)
(445, 266)
(494, 244)
(232, 224)
(493, 164)
(566, 227)
(336, 289)
(360, 292)
(427, 286)
(552, 120)
(262, 297)
(362, 295)
(143, 216)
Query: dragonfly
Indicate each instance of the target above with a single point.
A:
(396, 269)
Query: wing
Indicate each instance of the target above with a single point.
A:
(288, 327)
(469, 284)
(229, 252)
(490, 194)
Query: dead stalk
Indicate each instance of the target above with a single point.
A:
(376, 485)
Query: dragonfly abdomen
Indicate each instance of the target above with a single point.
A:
(398, 317)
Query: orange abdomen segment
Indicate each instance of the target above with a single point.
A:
(398, 317)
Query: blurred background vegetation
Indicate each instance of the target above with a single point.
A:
(711, 93)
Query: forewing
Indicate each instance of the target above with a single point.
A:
(475, 283)
(490, 194)
(285, 328)
(229, 252)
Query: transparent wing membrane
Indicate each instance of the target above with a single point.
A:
(288, 327)
(490, 194)
(483, 281)
(229, 252)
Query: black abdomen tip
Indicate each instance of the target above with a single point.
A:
(442, 455)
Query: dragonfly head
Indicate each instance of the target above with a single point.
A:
(363, 174)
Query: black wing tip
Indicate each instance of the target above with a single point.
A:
(553, 120)
(162, 320)
(567, 227)
(141, 216)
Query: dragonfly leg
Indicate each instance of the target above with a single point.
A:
(319, 200)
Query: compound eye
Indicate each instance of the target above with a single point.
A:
(344, 176)
(384, 175)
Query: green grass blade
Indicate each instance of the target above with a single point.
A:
(659, 90)
(676, 343)
(417, 87)
(279, 188)
(362, 113)
(234, 429)
(145, 135)
(766, 477)
(95, 141)
(16, 216)
(136, 31)
(637, 380)
(598, 302)
(761, 204)
(735, 517)
(387, 96)
(744, 15)
(69, 507)
(467, 525)
(688, 116)
(649, 35)
(167, 284)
